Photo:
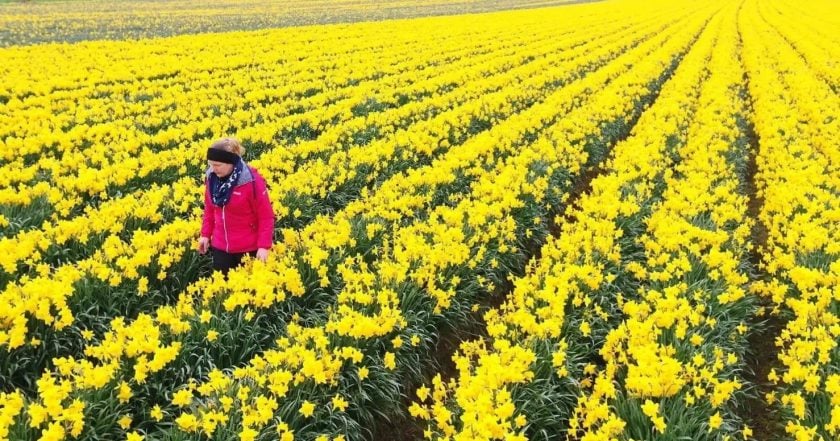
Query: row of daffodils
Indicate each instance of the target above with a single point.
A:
(798, 181)
(624, 181)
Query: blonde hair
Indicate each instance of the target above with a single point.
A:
(229, 145)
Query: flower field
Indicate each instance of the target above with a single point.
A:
(585, 221)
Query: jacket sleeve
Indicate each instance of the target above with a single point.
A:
(265, 215)
(209, 221)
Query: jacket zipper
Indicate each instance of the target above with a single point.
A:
(224, 226)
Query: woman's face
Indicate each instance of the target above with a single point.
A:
(220, 169)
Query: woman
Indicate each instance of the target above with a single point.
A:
(238, 218)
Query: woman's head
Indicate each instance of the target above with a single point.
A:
(223, 154)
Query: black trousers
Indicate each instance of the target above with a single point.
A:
(224, 261)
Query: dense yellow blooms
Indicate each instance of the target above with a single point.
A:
(432, 139)
(573, 265)
(11, 405)
(795, 91)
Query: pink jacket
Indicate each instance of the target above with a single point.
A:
(246, 222)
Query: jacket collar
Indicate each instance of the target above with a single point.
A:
(244, 178)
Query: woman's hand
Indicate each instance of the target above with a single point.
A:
(262, 254)
(203, 244)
